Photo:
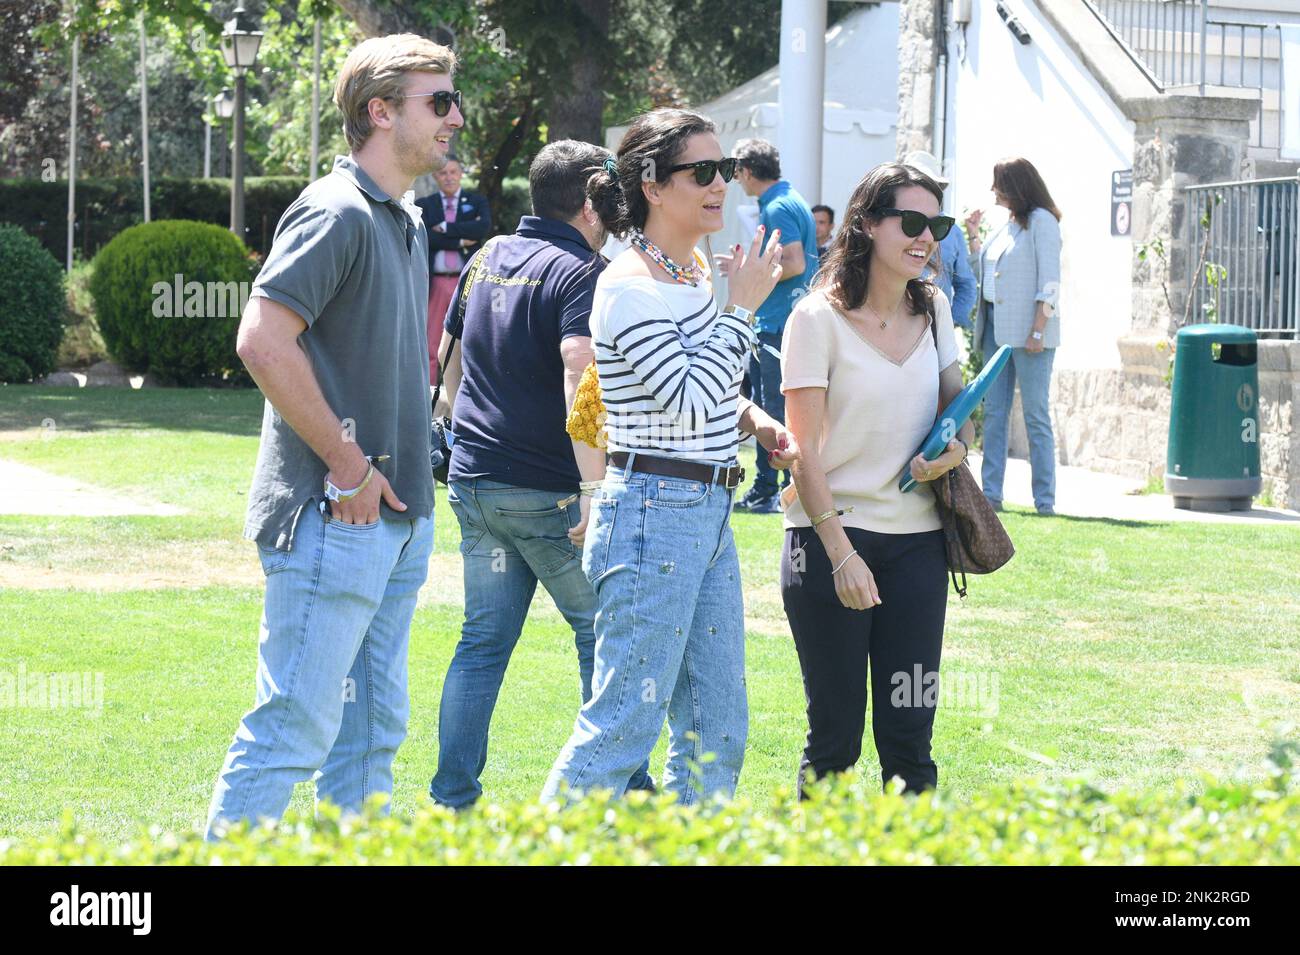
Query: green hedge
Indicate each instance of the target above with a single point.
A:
(107, 206)
(181, 330)
(32, 307)
(1025, 823)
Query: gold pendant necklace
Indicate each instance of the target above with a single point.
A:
(883, 323)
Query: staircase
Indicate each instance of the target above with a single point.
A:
(1186, 46)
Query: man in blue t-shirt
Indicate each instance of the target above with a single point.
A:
(512, 364)
(758, 170)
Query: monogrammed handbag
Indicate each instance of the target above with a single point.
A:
(974, 538)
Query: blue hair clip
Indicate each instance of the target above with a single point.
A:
(611, 167)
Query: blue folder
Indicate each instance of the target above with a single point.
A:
(955, 415)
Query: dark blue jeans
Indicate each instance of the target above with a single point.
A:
(765, 391)
(511, 537)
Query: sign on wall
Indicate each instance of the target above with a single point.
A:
(1121, 202)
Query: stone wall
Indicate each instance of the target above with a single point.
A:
(1279, 422)
(918, 58)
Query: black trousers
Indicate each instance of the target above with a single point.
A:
(898, 641)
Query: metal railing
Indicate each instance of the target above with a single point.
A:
(1173, 42)
(1243, 254)
(1163, 37)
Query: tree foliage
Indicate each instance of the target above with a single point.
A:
(530, 72)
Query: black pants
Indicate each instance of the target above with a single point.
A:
(901, 639)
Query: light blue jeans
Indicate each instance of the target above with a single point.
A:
(331, 699)
(670, 639)
(510, 538)
(1035, 375)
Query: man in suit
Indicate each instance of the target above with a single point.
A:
(458, 221)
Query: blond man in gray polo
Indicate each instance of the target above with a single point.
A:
(341, 505)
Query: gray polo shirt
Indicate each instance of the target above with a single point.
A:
(354, 263)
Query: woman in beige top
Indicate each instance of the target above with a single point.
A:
(869, 360)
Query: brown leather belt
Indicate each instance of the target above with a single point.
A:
(728, 477)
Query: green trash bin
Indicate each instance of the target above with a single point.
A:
(1213, 458)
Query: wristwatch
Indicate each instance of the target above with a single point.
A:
(1036, 336)
(335, 493)
(742, 313)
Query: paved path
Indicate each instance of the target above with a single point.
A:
(29, 490)
(1079, 493)
(1083, 493)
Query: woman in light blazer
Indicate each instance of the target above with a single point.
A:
(1019, 272)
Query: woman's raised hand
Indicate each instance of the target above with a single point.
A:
(971, 226)
(751, 278)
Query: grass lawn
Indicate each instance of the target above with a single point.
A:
(1133, 654)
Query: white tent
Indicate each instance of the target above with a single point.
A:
(860, 114)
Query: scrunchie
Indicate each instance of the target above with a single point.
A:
(611, 167)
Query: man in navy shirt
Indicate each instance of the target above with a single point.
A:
(513, 480)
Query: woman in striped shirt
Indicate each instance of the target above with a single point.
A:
(659, 551)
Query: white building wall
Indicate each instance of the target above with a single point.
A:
(1038, 101)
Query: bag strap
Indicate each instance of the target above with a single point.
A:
(470, 279)
(948, 515)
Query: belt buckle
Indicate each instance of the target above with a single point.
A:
(740, 477)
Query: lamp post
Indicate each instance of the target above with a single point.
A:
(224, 106)
(239, 43)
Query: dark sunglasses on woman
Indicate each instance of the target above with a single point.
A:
(706, 169)
(442, 100)
(914, 223)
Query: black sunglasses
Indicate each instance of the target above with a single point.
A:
(706, 169)
(442, 100)
(914, 223)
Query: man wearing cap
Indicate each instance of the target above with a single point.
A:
(954, 276)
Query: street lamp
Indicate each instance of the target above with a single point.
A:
(239, 43)
(223, 106)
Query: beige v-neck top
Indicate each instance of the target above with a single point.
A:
(878, 412)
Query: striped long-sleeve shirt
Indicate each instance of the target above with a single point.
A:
(670, 365)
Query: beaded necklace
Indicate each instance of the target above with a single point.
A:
(685, 274)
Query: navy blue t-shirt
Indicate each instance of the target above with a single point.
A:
(534, 289)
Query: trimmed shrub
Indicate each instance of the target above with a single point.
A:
(168, 297)
(31, 307)
(1021, 823)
